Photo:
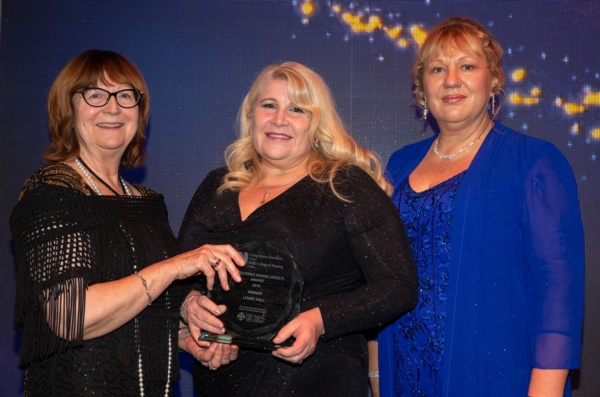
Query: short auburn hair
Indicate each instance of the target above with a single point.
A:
(87, 70)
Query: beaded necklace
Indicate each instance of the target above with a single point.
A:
(85, 168)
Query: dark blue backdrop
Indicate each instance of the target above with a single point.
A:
(199, 58)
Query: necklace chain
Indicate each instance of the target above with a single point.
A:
(85, 168)
(268, 191)
(453, 155)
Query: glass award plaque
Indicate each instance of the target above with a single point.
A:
(268, 297)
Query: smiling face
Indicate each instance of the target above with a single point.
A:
(107, 130)
(280, 128)
(457, 87)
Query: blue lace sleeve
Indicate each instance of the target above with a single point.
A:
(553, 233)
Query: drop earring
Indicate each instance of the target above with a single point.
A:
(493, 105)
(425, 111)
(316, 143)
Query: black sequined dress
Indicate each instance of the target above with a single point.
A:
(357, 268)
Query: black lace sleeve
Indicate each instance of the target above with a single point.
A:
(54, 267)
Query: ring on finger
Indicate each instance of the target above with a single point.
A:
(214, 262)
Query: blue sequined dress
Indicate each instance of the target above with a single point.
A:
(419, 335)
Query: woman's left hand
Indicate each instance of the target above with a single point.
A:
(307, 327)
(211, 355)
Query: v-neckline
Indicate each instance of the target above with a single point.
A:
(239, 209)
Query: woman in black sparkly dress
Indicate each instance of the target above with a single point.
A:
(295, 177)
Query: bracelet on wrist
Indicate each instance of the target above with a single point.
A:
(146, 287)
(373, 374)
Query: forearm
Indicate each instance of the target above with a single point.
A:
(373, 367)
(111, 304)
(548, 382)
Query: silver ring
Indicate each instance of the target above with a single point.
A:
(214, 262)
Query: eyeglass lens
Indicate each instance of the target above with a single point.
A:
(99, 97)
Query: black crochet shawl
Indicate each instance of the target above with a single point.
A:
(66, 239)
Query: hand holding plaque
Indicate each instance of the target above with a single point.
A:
(267, 298)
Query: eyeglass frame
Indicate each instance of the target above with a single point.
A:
(110, 95)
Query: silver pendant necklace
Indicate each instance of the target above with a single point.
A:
(268, 191)
(453, 155)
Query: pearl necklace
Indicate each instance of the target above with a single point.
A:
(139, 353)
(141, 366)
(84, 168)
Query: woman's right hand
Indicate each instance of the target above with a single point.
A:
(201, 315)
(209, 260)
(211, 355)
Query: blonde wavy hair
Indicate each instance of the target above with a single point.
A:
(467, 35)
(335, 149)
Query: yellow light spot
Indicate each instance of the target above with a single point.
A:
(573, 108)
(419, 34)
(308, 8)
(575, 129)
(394, 33)
(336, 8)
(518, 75)
(402, 43)
(358, 26)
(592, 98)
(536, 91)
(518, 99)
(595, 134)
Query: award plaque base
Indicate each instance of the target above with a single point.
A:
(247, 343)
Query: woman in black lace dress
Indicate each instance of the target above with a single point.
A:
(96, 255)
(296, 178)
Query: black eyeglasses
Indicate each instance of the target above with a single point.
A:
(98, 97)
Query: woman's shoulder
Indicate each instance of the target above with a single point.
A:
(217, 173)
(55, 174)
(526, 146)
(412, 149)
(350, 174)
(146, 191)
(351, 180)
(64, 176)
(214, 178)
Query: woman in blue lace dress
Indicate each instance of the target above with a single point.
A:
(493, 220)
